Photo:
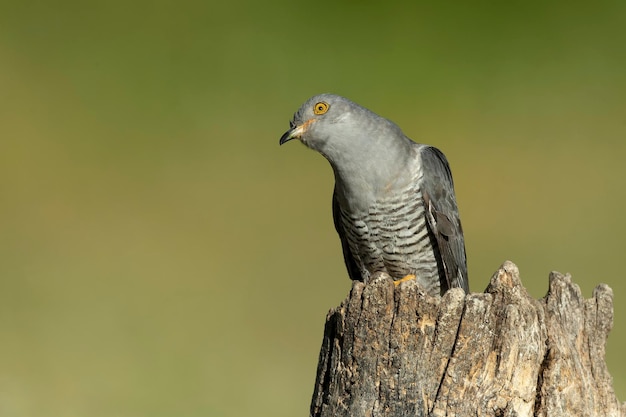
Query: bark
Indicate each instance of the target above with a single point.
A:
(397, 351)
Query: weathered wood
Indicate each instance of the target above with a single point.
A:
(397, 352)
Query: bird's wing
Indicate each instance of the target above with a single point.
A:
(442, 216)
(353, 269)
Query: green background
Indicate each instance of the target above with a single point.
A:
(162, 256)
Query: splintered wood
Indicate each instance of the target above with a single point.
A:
(396, 351)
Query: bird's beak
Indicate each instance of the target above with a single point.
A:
(294, 133)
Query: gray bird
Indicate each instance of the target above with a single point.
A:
(394, 206)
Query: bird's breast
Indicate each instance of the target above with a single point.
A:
(390, 234)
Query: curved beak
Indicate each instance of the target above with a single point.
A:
(293, 133)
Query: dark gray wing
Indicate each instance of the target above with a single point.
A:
(353, 269)
(442, 216)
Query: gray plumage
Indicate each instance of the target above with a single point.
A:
(394, 206)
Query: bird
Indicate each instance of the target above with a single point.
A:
(394, 206)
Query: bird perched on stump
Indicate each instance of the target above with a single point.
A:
(394, 206)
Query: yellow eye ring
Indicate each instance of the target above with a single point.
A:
(320, 108)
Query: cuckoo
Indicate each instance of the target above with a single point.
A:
(393, 204)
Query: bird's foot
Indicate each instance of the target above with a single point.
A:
(404, 279)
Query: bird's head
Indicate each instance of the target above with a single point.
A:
(348, 135)
(323, 118)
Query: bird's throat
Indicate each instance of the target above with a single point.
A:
(360, 185)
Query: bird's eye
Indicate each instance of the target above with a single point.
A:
(320, 108)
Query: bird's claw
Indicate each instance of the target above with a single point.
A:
(404, 279)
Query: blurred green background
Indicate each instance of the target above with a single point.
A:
(162, 256)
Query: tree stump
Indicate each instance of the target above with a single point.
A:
(397, 351)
